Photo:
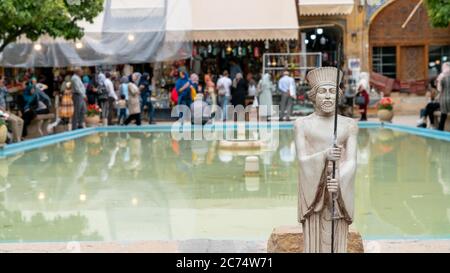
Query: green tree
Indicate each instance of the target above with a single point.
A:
(439, 12)
(34, 18)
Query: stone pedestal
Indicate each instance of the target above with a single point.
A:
(252, 166)
(289, 239)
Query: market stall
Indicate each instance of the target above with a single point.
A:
(230, 33)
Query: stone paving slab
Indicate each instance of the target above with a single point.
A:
(407, 246)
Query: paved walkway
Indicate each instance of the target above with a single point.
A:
(213, 246)
(407, 120)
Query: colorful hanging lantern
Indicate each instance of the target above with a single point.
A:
(256, 52)
(244, 51)
(235, 51)
(224, 54)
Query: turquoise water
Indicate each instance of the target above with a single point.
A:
(147, 186)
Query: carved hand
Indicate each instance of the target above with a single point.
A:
(334, 154)
(332, 185)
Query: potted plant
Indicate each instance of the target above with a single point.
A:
(93, 115)
(386, 110)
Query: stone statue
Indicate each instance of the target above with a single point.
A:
(316, 153)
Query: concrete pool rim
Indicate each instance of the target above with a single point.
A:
(28, 145)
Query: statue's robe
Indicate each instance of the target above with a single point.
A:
(313, 137)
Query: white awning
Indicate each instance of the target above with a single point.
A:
(127, 31)
(239, 20)
(138, 31)
(326, 7)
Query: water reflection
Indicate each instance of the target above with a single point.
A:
(152, 187)
(401, 191)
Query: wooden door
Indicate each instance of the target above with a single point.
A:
(412, 63)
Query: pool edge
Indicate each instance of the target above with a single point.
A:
(28, 145)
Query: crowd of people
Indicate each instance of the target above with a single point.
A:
(233, 89)
(124, 99)
(127, 99)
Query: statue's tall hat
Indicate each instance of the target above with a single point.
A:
(321, 76)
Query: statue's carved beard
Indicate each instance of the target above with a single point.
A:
(327, 106)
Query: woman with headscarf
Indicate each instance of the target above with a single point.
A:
(29, 96)
(36, 103)
(443, 86)
(134, 105)
(67, 79)
(102, 95)
(146, 96)
(240, 90)
(211, 92)
(123, 89)
(195, 82)
(183, 86)
(86, 81)
(429, 110)
(363, 102)
(66, 108)
(265, 90)
(252, 86)
(91, 91)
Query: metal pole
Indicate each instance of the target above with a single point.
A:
(338, 78)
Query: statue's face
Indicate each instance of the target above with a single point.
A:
(326, 99)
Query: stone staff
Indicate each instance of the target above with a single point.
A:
(338, 66)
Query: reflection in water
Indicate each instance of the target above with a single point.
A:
(114, 187)
(399, 191)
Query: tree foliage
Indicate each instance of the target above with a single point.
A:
(439, 12)
(34, 18)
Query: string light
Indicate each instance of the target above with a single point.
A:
(38, 47)
(274, 62)
(79, 45)
(83, 197)
(229, 49)
(131, 37)
(41, 196)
